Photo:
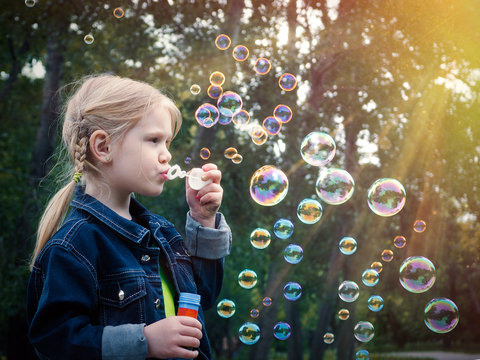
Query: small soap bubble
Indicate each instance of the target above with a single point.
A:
(386, 197)
(362, 355)
(268, 185)
(309, 211)
(348, 291)
(343, 314)
(283, 113)
(214, 92)
(387, 255)
(30, 3)
(222, 42)
(441, 315)
(241, 118)
(204, 153)
(282, 330)
(267, 301)
(283, 228)
(417, 274)
(118, 12)
(188, 160)
(335, 186)
(226, 308)
(375, 303)
(363, 331)
(260, 238)
(317, 148)
(207, 115)
(292, 291)
(328, 338)
(195, 89)
(247, 279)
(262, 66)
(419, 226)
(347, 245)
(240, 53)
(259, 135)
(293, 254)
(224, 120)
(399, 241)
(249, 333)
(230, 152)
(237, 158)
(377, 266)
(271, 125)
(254, 313)
(217, 78)
(88, 39)
(287, 82)
(370, 277)
(229, 103)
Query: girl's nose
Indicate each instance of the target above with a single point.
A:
(164, 156)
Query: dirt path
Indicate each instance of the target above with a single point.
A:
(437, 355)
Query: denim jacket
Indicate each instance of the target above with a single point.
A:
(96, 284)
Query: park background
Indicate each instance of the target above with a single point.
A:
(396, 83)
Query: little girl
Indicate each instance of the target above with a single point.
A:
(104, 284)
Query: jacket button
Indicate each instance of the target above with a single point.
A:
(157, 303)
(145, 258)
(121, 295)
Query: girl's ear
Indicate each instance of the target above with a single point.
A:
(100, 146)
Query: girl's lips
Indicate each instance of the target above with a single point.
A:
(165, 177)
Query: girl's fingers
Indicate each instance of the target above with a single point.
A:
(208, 167)
(214, 175)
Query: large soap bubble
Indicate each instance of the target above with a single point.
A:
(283, 228)
(282, 330)
(375, 303)
(268, 185)
(441, 315)
(230, 103)
(370, 277)
(226, 308)
(207, 115)
(293, 254)
(348, 291)
(417, 274)
(309, 211)
(347, 245)
(317, 148)
(247, 279)
(362, 355)
(335, 186)
(292, 291)
(363, 331)
(249, 333)
(386, 197)
(260, 238)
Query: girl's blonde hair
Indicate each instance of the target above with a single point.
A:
(106, 102)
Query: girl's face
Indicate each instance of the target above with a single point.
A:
(140, 160)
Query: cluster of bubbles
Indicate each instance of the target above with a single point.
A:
(232, 154)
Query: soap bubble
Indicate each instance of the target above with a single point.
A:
(347, 245)
(375, 303)
(254, 313)
(328, 338)
(195, 89)
(419, 226)
(363, 331)
(249, 333)
(370, 277)
(283, 228)
(237, 159)
(229, 103)
(267, 301)
(226, 308)
(224, 120)
(204, 153)
(387, 255)
(259, 135)
(240, 53)
(386, 197)
(222, 42)
(271, 125)
(343, 314)
(348, 291)
(335, 186)
(282, 330)
(283, 113)
(241, 118)
(88, 39)
(214, 91)
(317, 148)
(268, 185)
(262, 66)
(30, 3)
(287, 82)
(362, 355)
(293, 254)
(441, 315)
(292, 291)
(188, 160)
(417, 274)
(217, 78)
(247, 279)
(377, 266)
(118, 13)
(399, 241)
(260, 238)
(229, 152)
(309, 211)
(207, 115)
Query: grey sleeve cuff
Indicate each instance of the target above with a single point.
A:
(124, 342)
(206, 242)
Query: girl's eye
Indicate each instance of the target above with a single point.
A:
(154, 140)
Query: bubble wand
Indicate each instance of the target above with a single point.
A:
(194, 178)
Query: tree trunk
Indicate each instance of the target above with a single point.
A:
(295, 344)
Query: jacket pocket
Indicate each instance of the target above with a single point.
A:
(122, 298)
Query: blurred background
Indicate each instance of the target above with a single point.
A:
(394, 83)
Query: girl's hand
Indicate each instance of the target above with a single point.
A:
(171, 337)
(205, 202)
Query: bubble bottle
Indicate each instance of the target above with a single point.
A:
(194, 178)
(188, 304)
